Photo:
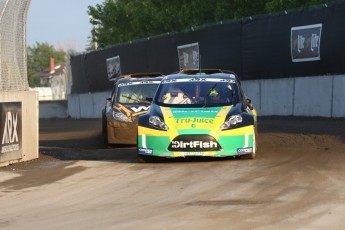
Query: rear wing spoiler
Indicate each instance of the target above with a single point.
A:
(208, 71)
(142, 75)
(205, 71)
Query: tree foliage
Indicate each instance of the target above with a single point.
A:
(116, 21)
(38, 58)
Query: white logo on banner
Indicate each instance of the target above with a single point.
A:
(188, 56)
(305, 43)
(10, 133)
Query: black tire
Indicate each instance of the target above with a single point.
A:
(248, 156)
(145, 159)
(104, 129)
(256, 138)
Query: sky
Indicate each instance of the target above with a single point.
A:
(63, 24)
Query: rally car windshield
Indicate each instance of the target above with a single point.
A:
(136, 92)
(195, 93)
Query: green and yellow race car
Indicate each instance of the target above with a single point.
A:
(198, 113)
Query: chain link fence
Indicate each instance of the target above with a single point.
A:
(13, 71)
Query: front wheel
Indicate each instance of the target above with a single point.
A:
(248, 156)
(255, 147)
(145, 159)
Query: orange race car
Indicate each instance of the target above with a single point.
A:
(131, 96)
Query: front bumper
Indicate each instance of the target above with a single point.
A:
(122, 133)
(233, 142)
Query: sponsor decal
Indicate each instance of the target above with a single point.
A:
(244, 150)
(145, 151)
(203, 111)
(194, 143)
(140, 108)
(139, 83)
(194, 120)
(11, 129)
(167, 81)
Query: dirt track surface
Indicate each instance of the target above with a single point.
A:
(296, 182)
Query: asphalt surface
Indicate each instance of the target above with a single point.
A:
(296, 182)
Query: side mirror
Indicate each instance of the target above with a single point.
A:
(249, 103)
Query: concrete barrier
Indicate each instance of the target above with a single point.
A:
(338, 102)
(313, 96)
(19, 127)
(53, 109)
(277, 97)
(73, 106)
(320, 96)
(87, 105)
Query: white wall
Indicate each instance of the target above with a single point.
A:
(53, 109)
(320, 96)
(338, 102)
(87, 105)
(313, 96)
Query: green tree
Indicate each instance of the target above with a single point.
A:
(116, 21)
(38, 58)
(278, 5)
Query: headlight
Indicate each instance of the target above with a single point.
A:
(121, 117)
(158, 123)
(231, 122)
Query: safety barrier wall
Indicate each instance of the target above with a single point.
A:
(19, 127)
(321, 96)
(53, 109)
(88, 105)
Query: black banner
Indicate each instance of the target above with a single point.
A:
(11, 131)
(113, 68)
(283, 45)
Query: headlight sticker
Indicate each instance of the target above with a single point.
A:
(145, 151)
(242, 151)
